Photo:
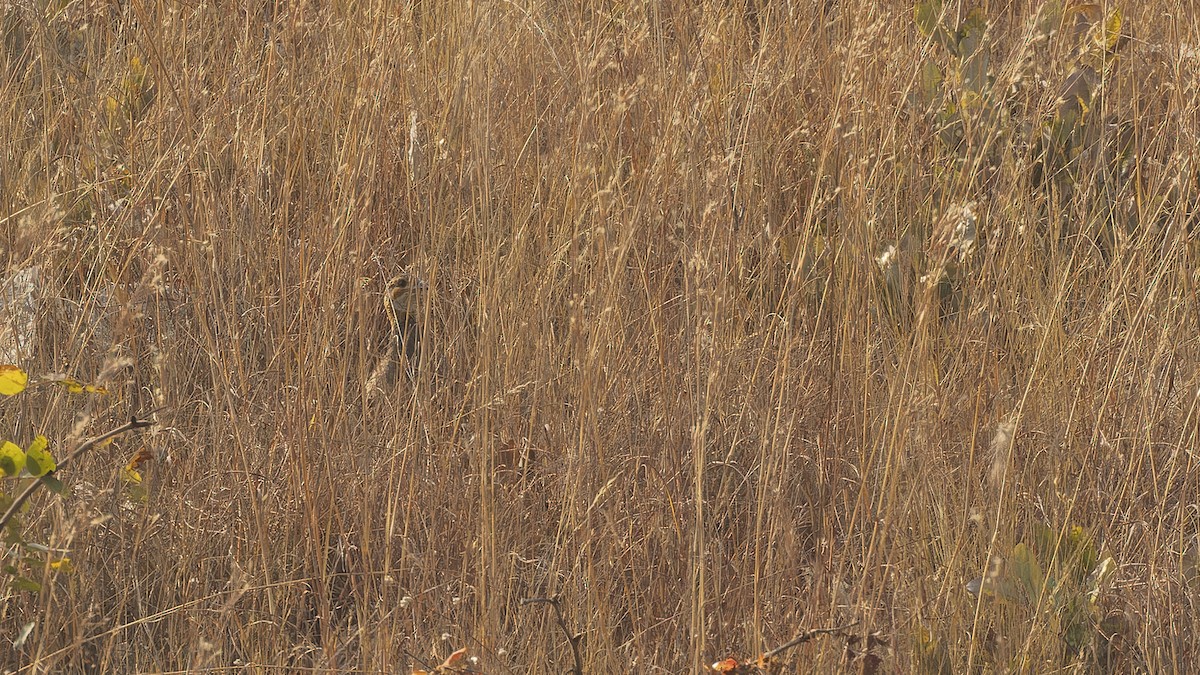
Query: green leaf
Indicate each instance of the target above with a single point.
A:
(53, 484)
(973, 48)
(22, 583)
(931, 82)
(1075, 622)
(1049, 18)
(927, 15)
(1024, 567)
(39, 460)
(12, 533)
(12, 459)
(1078, 554)
(932, 654)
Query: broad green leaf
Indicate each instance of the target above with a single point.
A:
(932, 654)
(137, 494)
(1075, 621)
(1000, 587)
(931, 82)
(973, 48)
(927, 14)
(12, 380)
(54, 485)
(1024, 567)
(1049, 18)
(12, 533)
(1078, 554)
(22, 583)
(39, 461)
(12, 459)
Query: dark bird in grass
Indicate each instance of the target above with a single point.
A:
(404, 304)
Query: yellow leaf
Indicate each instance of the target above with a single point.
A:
(39, 460)
(788, 245)
(12, 459)
(73, 385)
(1106, 35)
(12, 380)
(131, 476)
(63, 564)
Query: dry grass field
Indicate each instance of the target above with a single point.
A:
(744, 318)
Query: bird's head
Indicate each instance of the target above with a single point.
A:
(405, 295)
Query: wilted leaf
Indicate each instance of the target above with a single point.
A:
(12, 459)
(12, 380)
(139, 458)
(1099, 577)
(73, 385)
(1106, 35)
(1115, 625)
(725, 666)
(23, 635)
(452, 660)
(130, 476)
(450, 665)
(39, 461)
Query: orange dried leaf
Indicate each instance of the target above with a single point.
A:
(140, 457)
(452, 660)
(726, 666)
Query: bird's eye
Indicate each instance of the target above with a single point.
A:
(401, 283)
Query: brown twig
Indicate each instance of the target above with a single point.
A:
(135, 423)
(805, 637)
(574, 640)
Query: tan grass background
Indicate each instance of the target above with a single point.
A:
(635, 402)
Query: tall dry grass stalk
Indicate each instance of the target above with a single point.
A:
(691, 372)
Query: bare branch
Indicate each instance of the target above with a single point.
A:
(574, 640)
